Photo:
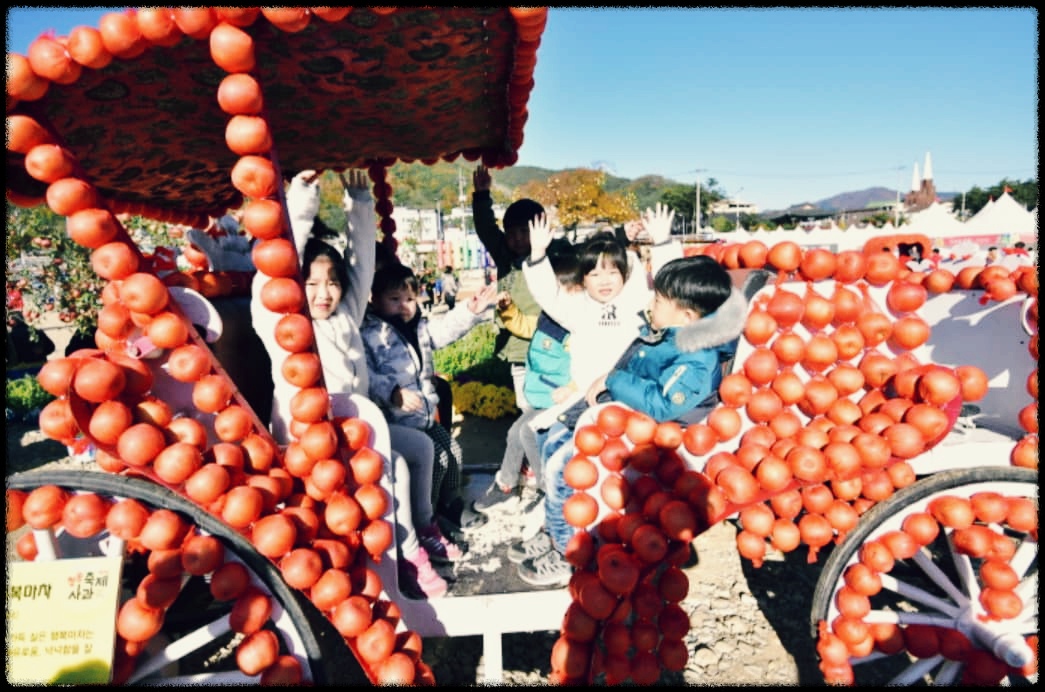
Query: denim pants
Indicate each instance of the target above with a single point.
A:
(557, 450)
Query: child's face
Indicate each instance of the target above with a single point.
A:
(665, 312)
(517, 238)
(399, 302)
(322, 289)
(604, 282)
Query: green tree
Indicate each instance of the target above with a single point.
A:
(683, 198)
(1026, 193)
(54, 273)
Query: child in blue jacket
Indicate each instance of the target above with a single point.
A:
(673, 367)
(546, 382)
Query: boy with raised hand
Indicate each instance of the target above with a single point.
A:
(508, 250)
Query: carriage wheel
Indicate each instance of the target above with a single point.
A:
(927, 614)
(197, 644)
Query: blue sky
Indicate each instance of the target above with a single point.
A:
(779, 106)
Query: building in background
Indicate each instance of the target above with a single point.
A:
(923, 190)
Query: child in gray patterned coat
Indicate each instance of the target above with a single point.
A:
(399, 344)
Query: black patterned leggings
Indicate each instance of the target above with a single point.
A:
(446, 471)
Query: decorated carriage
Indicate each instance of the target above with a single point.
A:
(870, 408)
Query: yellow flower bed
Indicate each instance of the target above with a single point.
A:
(485, 400)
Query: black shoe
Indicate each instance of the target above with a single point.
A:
(462, 517)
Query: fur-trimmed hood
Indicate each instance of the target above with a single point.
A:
(718, 328)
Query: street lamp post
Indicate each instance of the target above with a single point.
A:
(696, 210)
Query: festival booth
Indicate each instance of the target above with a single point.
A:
(940, 225)
(1002, 223)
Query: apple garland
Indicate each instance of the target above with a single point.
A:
(790, 482)
(792, 479)
(105, 396)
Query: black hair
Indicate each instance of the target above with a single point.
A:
(321, 230)
(521, 213)
(1019, 244)
(992, 247)
(604, 244)
(448, 270)
(563, 257)
(383, 256)
(316, 248)
(392, 277)
(697, 283)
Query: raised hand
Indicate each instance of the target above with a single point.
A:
(226, 252)
(357, 180)
(308, 176)
(483, 299)
(658, 223)
(481, 178)
(540, 237)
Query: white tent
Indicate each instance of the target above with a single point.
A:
(984, 212)
(1006, 216)
(936, 222)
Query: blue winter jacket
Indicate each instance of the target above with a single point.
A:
(547, 362)
(668, 374)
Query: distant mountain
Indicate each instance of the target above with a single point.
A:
(417, 185)
(861, 198)
(858, 199)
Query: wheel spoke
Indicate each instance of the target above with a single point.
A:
(948, 673)
(925, 561)
(180, 648)
(916, 671)
(46, 545)
(913, 592)
(885, 617)
(869, 658)
(966, 573)
(1024, 556)
(1027, 589)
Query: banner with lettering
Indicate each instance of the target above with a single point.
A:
(61, 620)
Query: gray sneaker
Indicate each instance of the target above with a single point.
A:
(497, 499)
(550, 569)
(530, 548)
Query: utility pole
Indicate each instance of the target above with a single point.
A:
(738, 207)
(896, 209)
(696, 209)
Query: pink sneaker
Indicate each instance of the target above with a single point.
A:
(418, 575)
(438, 547)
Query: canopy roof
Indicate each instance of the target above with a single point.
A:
(376, 86)
(936, 222)
(1005, 215)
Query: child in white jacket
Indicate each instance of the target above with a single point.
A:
(603, 320)
(337, 287)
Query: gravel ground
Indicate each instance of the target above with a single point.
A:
(749, 626)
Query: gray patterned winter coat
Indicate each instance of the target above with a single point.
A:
(393, 362)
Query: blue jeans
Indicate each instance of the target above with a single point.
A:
(556, 451)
